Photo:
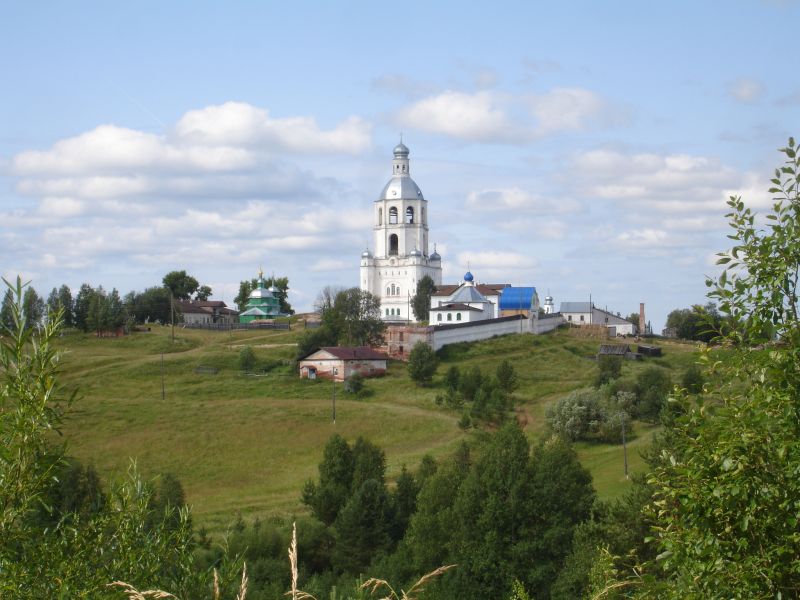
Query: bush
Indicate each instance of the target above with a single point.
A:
(247, 359)
(354, 384)
(652, 388)
(577, 415)
(693, 380)
(422, 363)
(608, 369)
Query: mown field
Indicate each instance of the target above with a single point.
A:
(244, 444)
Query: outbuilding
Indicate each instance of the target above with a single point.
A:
(339, 362)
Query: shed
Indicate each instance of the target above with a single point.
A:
(646, 350)
(621, 350)
(339, 362)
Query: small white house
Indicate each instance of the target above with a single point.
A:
(585, 313)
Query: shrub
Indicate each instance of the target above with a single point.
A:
(422, 363)
(577, 415)
(354, 383)
(247, 359)
(608, 369)
(693, 380)
(652, 388)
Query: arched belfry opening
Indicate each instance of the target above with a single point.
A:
(393, 245)
(393, 215)
(409, 215)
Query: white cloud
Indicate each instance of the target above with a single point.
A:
(331, 264)
(566, 109)
(517, 199)
(494, 259)
(476, 117)
(240, 124)
(746, 90)
(491, 117)
(673, 183)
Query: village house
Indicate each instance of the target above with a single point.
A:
(205, 312)
(339, 362)
(586, 313)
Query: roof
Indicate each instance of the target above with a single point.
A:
(575, 307)
(456, 306)
(467, 293)
(255, 312)
(353, 353)
(401, 186)
(201, 306)
(614, 349)
(487, 289)
(516, 298)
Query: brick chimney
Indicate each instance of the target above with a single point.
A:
(641, 318)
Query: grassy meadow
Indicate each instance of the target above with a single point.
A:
(246, 444)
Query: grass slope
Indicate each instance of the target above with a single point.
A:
(247, 444)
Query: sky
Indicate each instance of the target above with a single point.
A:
(585, 148)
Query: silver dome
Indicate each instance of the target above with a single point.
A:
(261, 292)
(415, 252)
(401, 149)
(435, 256)
(401, 187)
(366, 254)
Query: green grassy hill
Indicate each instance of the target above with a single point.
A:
(247, 444)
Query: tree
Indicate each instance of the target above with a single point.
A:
(506, 377)
(699, 323)
(152, 305)
(353, 318)
(180, 284)
(65, 300)
(326, 498)
(422, 363)
(82, 303)
(33, 308)
(576, 416)
(280, 284)
(203, 293)
(421, 302)
(7, 310)
(634, 318)
(653, 385)
(608, 369)
(362, 528)
(726, 490)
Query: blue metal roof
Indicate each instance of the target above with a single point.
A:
(517, 298)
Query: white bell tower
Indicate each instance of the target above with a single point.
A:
(400, 230)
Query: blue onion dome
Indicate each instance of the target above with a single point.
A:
(366, 254)
(400, 150)
(436, 256)
(468, 276)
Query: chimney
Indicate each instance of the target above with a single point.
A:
(641, 318)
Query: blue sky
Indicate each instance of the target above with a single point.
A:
(582, 148)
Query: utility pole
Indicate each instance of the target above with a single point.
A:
(162, 375)
(172, 313)
(624, 445)
(333, 381)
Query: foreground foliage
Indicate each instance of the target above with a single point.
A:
(726, 501)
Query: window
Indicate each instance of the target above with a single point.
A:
(393, 244)
(393, 216)
(409, 215)
(388, 291)
(569, 317)
(380, 216)
(398, 290)
(449, 316)
(439, 317)
(458, 316)
(581, 318)
(392, 293)
(423, 216)
(401, 336)
(387, 312)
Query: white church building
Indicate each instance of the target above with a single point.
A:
(400, 257)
